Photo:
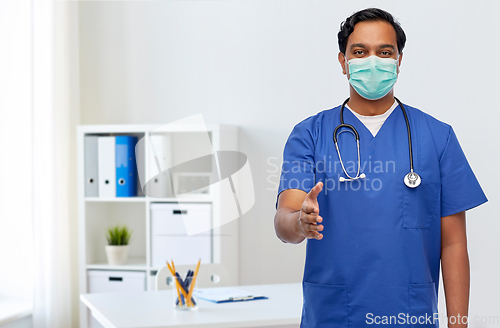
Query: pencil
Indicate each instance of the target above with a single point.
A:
(191, 288)
(177, 287)
(188, 301)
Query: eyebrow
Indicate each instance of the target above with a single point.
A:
(387, 46)
(361, 45)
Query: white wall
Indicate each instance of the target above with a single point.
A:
(266, 65)
(25, 322)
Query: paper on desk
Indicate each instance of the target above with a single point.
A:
(226, 294)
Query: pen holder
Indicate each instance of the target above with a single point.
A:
(181, 288)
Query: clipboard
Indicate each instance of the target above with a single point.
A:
(226, 294)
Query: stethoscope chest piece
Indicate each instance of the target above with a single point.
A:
(412, 180)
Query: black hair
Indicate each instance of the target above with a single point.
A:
(369, 14)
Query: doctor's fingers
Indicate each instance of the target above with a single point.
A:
(311, 218)
(310, 208)
(314, 235)
(312, 232)
(313, 193)
(314, 227)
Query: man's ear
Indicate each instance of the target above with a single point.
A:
(342, 62)
(399, 60)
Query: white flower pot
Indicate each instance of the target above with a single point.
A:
(117, 255)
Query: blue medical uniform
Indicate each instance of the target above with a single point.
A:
(379, 258)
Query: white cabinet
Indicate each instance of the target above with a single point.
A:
(158, 223)
(169, 238)
(103, 281)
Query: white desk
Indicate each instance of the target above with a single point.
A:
(155, 309)
(12, 309)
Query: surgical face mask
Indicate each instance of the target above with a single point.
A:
(373, 77)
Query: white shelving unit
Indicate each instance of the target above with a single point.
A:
(96, 214)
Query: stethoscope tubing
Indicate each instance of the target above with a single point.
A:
(408, 130)
(356, 135)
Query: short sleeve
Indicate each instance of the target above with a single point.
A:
(297, 170)
(460, 190)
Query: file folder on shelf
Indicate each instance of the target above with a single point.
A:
(107, 168)
(160, 183)
(126, 168)
(91, 171)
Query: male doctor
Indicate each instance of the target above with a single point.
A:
(374, 244)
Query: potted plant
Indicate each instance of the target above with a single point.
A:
(117, 249)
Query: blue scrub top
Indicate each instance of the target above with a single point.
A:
(379, 259)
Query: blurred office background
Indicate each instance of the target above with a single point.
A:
(261, 65)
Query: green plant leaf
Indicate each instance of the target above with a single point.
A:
(118, 235)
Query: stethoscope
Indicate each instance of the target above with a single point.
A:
(412, 179)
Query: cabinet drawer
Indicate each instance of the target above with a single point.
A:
(100, 281)
(169, 239)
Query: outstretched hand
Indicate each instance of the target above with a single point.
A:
(309, 219)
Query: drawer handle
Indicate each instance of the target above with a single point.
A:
(180, 211)
(115, 279)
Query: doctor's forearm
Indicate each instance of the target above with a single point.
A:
(286, 224)
(456, 281)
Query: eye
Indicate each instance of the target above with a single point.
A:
(358, 52)
(386, 53)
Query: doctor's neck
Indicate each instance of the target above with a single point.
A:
(367, 107)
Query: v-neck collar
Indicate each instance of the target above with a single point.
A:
(363, 131)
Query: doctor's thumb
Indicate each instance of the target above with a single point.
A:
(314, 192)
